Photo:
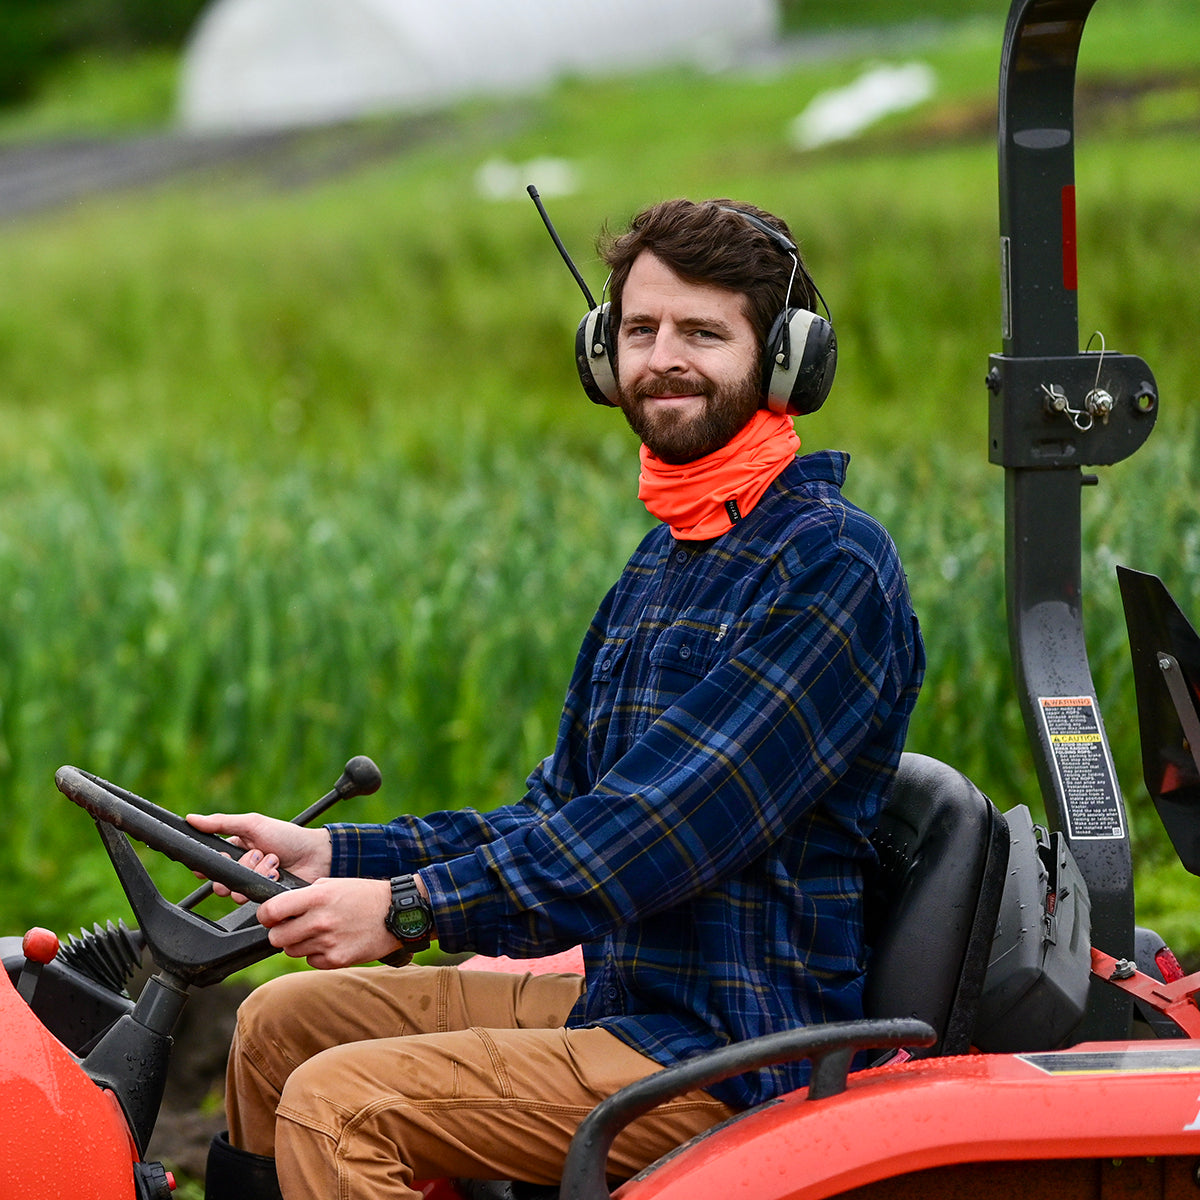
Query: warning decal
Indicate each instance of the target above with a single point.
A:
(1084, 768)
(1115, 1062)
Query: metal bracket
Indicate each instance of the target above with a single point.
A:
(1092, 408)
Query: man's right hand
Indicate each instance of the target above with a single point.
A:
(269, 843)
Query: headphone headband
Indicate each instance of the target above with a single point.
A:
(780, 238)
(785, 244)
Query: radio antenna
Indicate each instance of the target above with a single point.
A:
(583, 287)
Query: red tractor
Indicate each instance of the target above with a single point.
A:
(1023, 1034)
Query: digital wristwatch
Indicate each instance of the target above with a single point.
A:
(409, 918)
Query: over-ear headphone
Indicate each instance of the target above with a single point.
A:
(799, 355)
(594, 356)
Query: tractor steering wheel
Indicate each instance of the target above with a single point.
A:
(164, 831)
(194, 950)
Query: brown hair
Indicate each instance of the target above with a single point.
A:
(705, 243)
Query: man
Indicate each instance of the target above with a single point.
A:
(736, 714)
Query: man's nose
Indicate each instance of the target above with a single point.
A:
(669, 353)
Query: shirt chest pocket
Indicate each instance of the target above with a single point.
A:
(610, 660)
(607, 668)
(682, 654)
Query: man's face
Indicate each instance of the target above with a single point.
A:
(689, 375)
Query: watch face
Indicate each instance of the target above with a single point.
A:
(408, 918)
(410, 922)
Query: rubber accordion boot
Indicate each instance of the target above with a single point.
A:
(234, 1174)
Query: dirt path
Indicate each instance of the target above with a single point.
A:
(64, 170)
(45, 174)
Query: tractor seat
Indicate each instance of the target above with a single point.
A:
(932, 902)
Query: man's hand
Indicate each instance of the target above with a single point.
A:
(332, 923)
(269, 843)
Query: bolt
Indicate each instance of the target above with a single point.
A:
(1056, 398)
(1100, 403)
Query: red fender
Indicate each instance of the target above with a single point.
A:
(60, 1134)
(1098, 1101)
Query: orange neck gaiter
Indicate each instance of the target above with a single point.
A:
(706, 498)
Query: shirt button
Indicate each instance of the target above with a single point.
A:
(611, 991)
(681, 556)
(606, 664)
(685, 652)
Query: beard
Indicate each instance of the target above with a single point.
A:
(678, 437)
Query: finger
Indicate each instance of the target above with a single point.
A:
(219, 889)
(223, 824)
(284, 907)
(318, 952)
(208, 822)
(289, 937)
(249, 859)
(266, 865)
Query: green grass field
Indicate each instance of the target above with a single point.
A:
(293, 472)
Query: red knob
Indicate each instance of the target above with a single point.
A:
(40, 945)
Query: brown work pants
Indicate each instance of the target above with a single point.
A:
(360, 1081)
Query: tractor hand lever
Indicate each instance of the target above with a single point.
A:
(361, 777)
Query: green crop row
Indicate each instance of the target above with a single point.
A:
(219, 642)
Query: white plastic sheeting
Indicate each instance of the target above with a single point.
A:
(274, 63)
(845, 112)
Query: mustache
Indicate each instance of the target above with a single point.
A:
(670, 387)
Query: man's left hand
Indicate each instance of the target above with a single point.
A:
(332, 922)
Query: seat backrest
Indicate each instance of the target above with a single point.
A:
(932, 904)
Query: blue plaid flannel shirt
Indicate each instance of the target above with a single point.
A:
(735, 717)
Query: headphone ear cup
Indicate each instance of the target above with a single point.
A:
(799, 362)
(594, 357)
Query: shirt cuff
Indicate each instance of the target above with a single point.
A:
(467, 907)
(363, 852)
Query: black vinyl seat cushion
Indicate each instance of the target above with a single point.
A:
(932, 902)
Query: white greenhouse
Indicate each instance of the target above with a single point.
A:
(254, 64)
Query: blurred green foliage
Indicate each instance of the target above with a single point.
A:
(37, 36)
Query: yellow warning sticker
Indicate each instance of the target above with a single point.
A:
(1091, 802)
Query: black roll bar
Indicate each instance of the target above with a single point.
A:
(1052, 410)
